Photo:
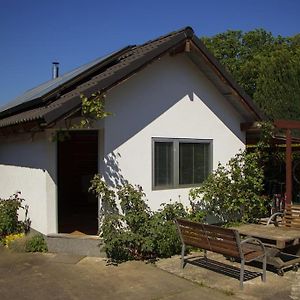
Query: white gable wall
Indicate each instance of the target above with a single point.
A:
(170, 98)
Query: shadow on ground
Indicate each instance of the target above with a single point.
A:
(222, 268)
(219, 273)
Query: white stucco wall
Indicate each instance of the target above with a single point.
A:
(171, 98)
(28, 164)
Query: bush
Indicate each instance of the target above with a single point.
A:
(11, 238)
(163, 230)
(9, 216)
(137, 232)
(36, 243)
(233, 193)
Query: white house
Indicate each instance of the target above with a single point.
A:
(176, 114)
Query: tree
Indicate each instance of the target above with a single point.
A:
(267, 67)
(278, 85)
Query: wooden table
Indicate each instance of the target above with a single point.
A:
(276, 240)
(272, 236)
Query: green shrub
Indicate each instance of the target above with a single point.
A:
(233, 193)
(163, 230)
(36, 243)
(137, 232)
(9, 216)
(136, 217)
(11, 238)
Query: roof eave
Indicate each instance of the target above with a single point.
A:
(245, 99)
(31, 126)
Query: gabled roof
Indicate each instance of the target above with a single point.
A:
(57, 98)
(50, 86)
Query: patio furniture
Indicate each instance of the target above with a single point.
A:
(290, 217)
(220, 240)
(276, 240)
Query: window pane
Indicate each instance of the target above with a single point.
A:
(193, 162)
(163, 164)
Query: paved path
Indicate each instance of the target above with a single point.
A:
(275, 288)
(58, 276)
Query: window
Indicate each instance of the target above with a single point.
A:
(180, 162)
(163, 164)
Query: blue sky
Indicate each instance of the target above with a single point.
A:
(33, 33)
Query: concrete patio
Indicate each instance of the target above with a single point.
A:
(61, 276)
(222, 275)
(52, 276)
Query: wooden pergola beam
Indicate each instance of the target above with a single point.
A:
(288, 125)
(288, 167)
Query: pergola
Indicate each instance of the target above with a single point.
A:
(288, 125)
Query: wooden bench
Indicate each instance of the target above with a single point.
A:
(289, 218)
(220, 240)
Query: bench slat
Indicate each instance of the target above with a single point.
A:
(225, 251)
(209, 237)
(212, 242)
(204, 233)
(209, 230)
(216, 248)
(223, 244)
(195, 242)
(222, 236)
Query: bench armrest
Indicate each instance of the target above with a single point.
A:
(257, 241)
(274, 216)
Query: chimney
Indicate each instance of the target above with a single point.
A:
(55, 69)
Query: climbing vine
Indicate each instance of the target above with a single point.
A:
(92, 109)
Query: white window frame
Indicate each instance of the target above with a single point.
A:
(176, 142)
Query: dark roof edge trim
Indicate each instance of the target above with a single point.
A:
(21, 127)
(246, 98)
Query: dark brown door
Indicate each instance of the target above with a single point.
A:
(77, 163)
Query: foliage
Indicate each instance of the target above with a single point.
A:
(137, 232)
(60, 136)
(271, 158)
(92, 108)
(267, 67)
(278, 84)
(232, 192)
(9, 216)
(11, 238)
(36, 243)
(108, 205)
(163, 230)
